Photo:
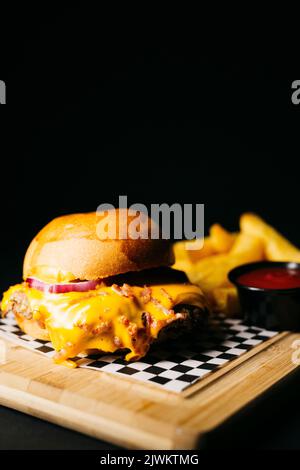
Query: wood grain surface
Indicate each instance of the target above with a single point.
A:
(136, 415)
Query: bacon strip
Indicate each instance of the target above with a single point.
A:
(165, 310)
(125, 290)
(166, 294)
(146, 294)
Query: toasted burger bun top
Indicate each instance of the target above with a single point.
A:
(78, 246)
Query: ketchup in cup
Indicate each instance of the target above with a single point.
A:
(271, 278)
(269, 294)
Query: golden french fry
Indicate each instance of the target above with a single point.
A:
(277, 248)
(247, 246)
(182, 265)
(221, 239)
(182, 261)
(182, 253)
(211, 273)
(225, 300)
(207, 250)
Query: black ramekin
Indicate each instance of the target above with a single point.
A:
(274, 309)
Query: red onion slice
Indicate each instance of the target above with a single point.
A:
(80, 286)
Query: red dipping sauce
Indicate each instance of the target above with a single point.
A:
(271, 278)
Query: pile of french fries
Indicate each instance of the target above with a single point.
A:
(222, 251)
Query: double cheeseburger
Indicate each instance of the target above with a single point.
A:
(86, 293)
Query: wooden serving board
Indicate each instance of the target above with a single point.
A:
(133, 414)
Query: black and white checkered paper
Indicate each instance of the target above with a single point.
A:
(173, 365)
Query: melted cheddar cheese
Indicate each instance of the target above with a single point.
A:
(108, 318)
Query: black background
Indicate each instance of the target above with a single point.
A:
(101, 105)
